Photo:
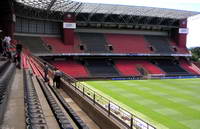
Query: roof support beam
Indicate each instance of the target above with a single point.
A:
(51, 4)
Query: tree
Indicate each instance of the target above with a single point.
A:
(195, 54)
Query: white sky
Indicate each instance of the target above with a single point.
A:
(193, 38)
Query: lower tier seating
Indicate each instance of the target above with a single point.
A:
(127, 67)
(130, 67)
(190, 67)
(170, 66)
(151, 68)
(197, 64)
(101, 68)
(71, 67)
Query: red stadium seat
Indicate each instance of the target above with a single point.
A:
(128, 43)
(129, 67)
(190, 67)
(72, 68)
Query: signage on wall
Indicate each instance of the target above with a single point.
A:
(183, 22)
(67, 25)
(69, 16)
(183, 30)
(14, 18)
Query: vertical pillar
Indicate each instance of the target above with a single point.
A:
(8, 18)
(182, 33)
(68, 29)
(11, 25)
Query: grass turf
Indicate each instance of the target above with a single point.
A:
(173, 104)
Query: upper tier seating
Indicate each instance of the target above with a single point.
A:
(170, 67)
(58, 45)
(160, 44)
(178, 49)
(71, 67)
(101, 68)
(35, 44)
(129, 67)
(124, 43)
(93, 42)
(190, 67)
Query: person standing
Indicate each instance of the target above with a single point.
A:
(1, 42)
(46, 68)
(18, 54)
(4, 46)
(57, 76)
(7, 40)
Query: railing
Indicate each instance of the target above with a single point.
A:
(120, 114)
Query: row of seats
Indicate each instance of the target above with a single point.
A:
(123, 67)
(61, 118)
(70, 111)
(197, 64)
(131, 67)
(56, 45)
(160, 44)
(170, 67)
(127, 68)
(190, 67)
(94, 42)
(33, 110)
(6, 76)
(101, 68)
(34, 44)
(34, 114)
(120, 43)
(71, 67)
(3, 65)
(128, 43)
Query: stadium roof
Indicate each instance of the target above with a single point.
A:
(136, 11)
(92, 8)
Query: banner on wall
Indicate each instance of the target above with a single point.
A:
(14, 18)
(183, 30)
(67, 25)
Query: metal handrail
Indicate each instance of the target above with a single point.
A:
(122, 115)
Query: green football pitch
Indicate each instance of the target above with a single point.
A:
(166, 104)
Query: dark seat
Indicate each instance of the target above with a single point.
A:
(101, 68)
(170, 67)
(160, 44)
(94, 42)
(35, 44)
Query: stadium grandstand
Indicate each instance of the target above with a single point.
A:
(95, 42)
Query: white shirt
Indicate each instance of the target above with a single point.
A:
(7, 39)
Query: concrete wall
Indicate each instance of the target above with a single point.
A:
(100, 118)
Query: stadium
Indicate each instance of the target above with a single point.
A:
(119, 66)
